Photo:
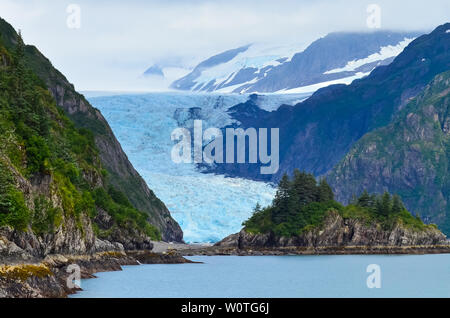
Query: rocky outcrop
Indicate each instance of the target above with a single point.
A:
(71, 236)
(337, 232)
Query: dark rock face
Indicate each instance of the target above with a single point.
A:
(410, 157)
(337, 232)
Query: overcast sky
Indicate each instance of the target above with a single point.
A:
(118, 40)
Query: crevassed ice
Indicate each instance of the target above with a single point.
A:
(208, 207)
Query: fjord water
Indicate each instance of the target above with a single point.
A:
(278, 276)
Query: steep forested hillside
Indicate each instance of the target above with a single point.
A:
(410, 156)
(121, 172)
(62, 172)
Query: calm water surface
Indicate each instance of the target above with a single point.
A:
(278, 276)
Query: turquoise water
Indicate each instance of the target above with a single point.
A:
(279, 276)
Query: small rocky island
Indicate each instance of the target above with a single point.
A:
(305, 219)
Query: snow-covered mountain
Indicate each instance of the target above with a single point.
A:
(335, 58)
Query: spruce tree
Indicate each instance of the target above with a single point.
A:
(385, 204)
(281, 200)
(304, 189)
(397, 205)
(19, 65)
(324, 191)
(364, 200)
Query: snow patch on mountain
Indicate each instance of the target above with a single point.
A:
(384, 53)
(315, 87)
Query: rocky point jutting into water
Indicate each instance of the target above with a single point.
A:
(341, 236)
(305, 219)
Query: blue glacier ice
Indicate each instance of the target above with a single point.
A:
(208, 207)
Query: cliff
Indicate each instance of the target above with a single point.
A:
(66, 186)
(115, 169)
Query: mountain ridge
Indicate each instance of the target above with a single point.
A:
(316, 133)
(251, 69)
(410, 156)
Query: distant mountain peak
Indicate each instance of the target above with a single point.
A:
(337, 57)
(154, 70)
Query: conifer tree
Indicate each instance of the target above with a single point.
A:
(397, 205)
(19, 65)
(324, 191)
(364, 200)
(281, 200)
(304, 189)
(384, 205)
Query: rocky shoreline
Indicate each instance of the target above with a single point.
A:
(326, 250)
(51, 277)
(29, 273)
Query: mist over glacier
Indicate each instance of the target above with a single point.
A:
(208, 207)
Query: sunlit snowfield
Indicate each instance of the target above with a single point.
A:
(208, 207)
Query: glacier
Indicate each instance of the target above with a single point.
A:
(208, 207)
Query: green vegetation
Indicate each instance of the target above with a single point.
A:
(13, 210)
(410, 156)
(121, 210)
(40, 142)
(301, 204)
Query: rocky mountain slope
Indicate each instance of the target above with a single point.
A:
(317, 133)
(121, 173)
(410, 156)
(338, 57)
(66, 186)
